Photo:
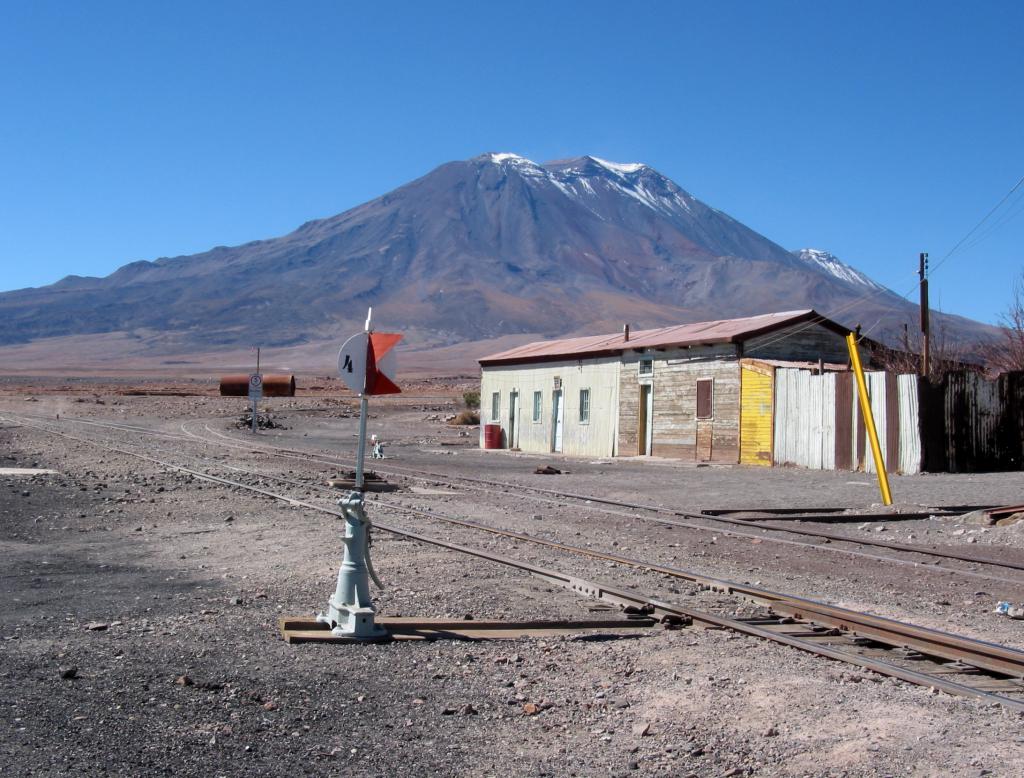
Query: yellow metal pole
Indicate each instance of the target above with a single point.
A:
(869, 419)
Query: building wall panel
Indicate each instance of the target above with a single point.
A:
(628, 443)
(801, 342)
(594, 438)
(756, 412)
(805, 422)
(674, 399)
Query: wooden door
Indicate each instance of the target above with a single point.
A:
(705, 418)
(645, 435)
(556, 412)
(513, 427)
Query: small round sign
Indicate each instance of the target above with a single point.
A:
(352, 362)
(255, 386)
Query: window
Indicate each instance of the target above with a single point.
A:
(705, 398)
(538, 405)
(496, 406)
(646, 367)
(584, 406)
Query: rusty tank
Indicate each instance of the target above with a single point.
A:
(274, 385)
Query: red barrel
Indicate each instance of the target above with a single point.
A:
(492, 436)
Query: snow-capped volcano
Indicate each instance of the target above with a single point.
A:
(832, 264)
(577, 177)
(618, 192)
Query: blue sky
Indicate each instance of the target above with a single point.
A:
(873, 130)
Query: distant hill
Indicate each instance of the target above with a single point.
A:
(492, 246)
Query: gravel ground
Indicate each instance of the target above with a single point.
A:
(160, 594)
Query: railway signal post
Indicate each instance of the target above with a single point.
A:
(366, 365)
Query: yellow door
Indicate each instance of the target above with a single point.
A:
(755, 416)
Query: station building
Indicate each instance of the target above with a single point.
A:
(700, 392)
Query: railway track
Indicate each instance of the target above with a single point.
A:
(660, 515)
(938, 660)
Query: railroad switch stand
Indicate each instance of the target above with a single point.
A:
(365, 363)
(350, 612)
(351, 617)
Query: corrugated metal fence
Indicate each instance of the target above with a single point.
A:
(818, 422)
(971, 425)
(965, 423)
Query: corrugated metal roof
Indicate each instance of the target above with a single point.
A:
(698, 333)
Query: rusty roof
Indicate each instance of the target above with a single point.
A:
(703, 333)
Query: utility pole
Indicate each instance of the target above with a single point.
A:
(923, 274)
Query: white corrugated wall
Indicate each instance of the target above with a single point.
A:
(910, 432)
(805, 413)
(828, 420)
(805, 432)
(876, 392)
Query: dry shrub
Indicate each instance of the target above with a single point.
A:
(945, 354)
(467, 418)
(1007, 352)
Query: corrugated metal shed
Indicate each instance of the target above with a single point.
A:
(697, 334)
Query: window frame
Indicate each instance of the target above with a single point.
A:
(538, 407)
(584, 409)
(641, 373)
(495, 407)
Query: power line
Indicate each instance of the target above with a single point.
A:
(975, 228)
(1011, 213)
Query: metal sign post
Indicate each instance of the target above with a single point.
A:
(366, 365)
(255, 394)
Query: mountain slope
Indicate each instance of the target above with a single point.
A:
(476, 249)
